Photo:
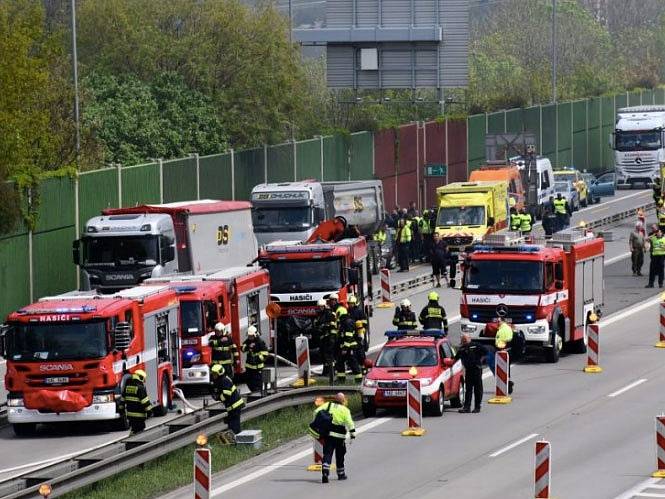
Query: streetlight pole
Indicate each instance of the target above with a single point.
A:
(76, 83)
(554, 51)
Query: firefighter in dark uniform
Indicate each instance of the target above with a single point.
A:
(472, 356)
(136, 401)
(223, 389)
(257, 352)
(347, 348)
(405, 318)
(326, 324)
(433, 315)
(224, 350)
(657, 190)
(360, 323)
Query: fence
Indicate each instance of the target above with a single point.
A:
(38, 263)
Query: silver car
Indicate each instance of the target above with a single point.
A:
(569, 193)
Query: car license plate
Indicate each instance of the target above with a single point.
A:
(56, 381)
(394, 393)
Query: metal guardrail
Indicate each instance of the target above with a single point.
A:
(90, 467)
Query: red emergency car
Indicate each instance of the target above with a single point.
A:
(433, 357)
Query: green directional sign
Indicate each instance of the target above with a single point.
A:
(436, 170)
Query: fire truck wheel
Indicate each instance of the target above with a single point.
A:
(369, 409)
(165, 402)
(435, 407)
(24, 429)
(552, 353)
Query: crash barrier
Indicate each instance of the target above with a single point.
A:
(593, 346)
(660, 447)
(126, 454)
(414, 409)
(304, 366)
(502, 378)
(542, 470)
(317, 452)
(202, 473)
(385, 289)
(661, 339)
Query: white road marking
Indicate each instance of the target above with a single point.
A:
(614, 259)
(629, 494)
(288, 460)
(615, 200)
(627, 387)
(513, 445)
(649, 494)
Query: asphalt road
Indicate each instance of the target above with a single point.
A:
(52, 442)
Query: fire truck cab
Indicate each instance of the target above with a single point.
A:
(547, 291)
(69, 356)
(236, 297)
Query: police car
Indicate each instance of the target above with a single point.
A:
(426, 355)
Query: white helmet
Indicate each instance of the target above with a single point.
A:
(334, 296)
(219, 327)
(321, 302)
(405, 303)
(252, 331)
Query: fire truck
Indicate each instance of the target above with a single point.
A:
(236, 297)
(69, 356)
(547, 291)
(303, 272)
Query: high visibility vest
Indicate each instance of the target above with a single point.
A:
(504, 334)
(560, 206)
(525, 222)
(405, 233)
(661, 216)
(380, 236)
(515, 221)
(424, 225)
(658, 246)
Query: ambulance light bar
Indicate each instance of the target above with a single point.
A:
(414, 333)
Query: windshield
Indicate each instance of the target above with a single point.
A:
(561, 187)
(637, 141)
(58, 341)
(312, 275)
(407, 357)
(129, 250)
(281, 219)
(191, 318)
(504, 275)
(461, 215)
(572, 176)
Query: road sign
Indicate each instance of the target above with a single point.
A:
(436, 170)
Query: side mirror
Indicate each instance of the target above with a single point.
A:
(558, 284)
(122, 336)
(3, 340)
(448, 362)
(369, 363)
(353, 276)
(558, 272)
(76, 252)
(610, 140)
(490, 221)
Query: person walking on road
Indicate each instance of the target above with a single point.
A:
(224, 390)
(333, 428)
(657, 252)
(405, 318)
(433, 315)
(636, 244)
(472, 356)
(257, 352)
(136, 401)
(403, 244)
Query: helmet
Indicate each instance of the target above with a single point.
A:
(252, 331)
(433, 295)
(340, 398)
(140, 375)
(216, 369)
(512, 201)
(321, 303)
(342, 311)
(353, 300)
(405, 303)
(219, 327)
(333, 296)
(660, 202)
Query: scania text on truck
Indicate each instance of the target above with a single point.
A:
(69, 356)
(638, 142)
(302, 272)
(124, 246)
(469, 210)
(236, 297)
(547, 292)
(291, 211)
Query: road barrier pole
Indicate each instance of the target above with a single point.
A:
(202, 473)
(660, 447)
(414, 409)
(542, 470)
(593, 333)
(317, 448)
(661, 340)
(502, 379)
(385, 290)
(304, 366)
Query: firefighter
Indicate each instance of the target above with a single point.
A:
(405, 318)
(503, 341)
(257, 352)
(515, 219)
(403, 239)
(426, 230)
(347, 348)
(526, 221)
(416, 238)
(136, 401)
(224, 350)
(360, 324)
(335, 305)
(472, 356)
(660, 214)
(223, 389)
(657, 253)
(326, 324)
(433, 315)
(334, 442)
(657, 190)
(561, 210)
(379, 239)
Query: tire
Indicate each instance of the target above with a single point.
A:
(435, 407)
(24, 429)
(369, 409)
(552, 353)
(120, 424)
(166, 402)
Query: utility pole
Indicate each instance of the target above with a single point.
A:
(554, 51)
(76, 83)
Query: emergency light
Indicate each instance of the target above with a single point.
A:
(181, 290)
(525, 248)
(414, 333)
(60, 310)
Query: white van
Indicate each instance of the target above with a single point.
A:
(545, 180)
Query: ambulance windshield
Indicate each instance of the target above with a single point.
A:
(461, 215)
(504, 276)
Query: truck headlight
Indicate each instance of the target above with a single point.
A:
(469, 328)
(103, 399)
(369, 383)
(536, 329)
(15, 402)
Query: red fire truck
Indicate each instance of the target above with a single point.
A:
(236, 297)
(69, 356)
(548, 291)
(301, 273)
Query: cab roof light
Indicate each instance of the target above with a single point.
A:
(525, 248)
(60, 310)
(414, 333)
(182, 290)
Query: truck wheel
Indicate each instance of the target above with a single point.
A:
(165, 402)
(552, 353)
(369, 409)
(435, 407)
(24, 429)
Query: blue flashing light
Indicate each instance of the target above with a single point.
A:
(414, 333)
(529, 317)
(181, 290)
(474, 316)
(59, 310)
(524, 248)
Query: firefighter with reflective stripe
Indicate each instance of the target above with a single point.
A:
(335, 305)
(257, 352)
(360, 324)
(403, 240)
(405, 318)
(136, 401)
(515, 219)
(561, 211)
(224, 350)
(433, 315)
(335, 441)
(347, 347)
(426, 230)
(223, 389)
(326, 325)
(526, 221)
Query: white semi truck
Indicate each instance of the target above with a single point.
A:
(639, 144)
(291, 211)
(124, 246)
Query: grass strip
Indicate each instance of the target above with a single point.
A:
(174, 470)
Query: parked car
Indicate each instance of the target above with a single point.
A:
(602, 186)
(568, 192)
(574, 175)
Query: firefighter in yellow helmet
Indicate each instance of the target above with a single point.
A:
(136, 401)
(360, 323)
(224, 390)
(433, 315)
